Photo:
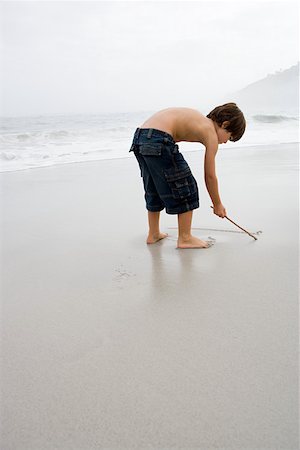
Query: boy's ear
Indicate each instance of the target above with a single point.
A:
(225, 124)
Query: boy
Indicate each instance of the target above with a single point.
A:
(168, 180)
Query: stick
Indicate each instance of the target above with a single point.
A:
(239, 227)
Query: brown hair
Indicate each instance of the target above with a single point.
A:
(231, 113)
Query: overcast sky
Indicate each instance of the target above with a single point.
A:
(98, 56)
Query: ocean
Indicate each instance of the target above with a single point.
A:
(47, 140)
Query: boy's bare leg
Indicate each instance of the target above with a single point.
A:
(185, 239)
(154, 233)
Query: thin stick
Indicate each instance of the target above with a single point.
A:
(239, 227)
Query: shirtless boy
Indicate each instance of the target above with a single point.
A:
(168, 180)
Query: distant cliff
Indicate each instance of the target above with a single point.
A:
(277, 93)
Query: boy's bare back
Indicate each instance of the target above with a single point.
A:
(183, 124)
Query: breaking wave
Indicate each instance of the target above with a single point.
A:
(272, 118)
(29, 142)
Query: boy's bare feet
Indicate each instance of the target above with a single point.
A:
(152, 238)
(193, 242)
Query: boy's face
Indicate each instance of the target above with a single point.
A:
(223, 134)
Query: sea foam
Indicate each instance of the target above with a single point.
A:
(29, 142)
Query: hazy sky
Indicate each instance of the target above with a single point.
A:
(105, 56)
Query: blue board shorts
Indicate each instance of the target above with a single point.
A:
(168, 180)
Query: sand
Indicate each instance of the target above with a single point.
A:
(108, 343)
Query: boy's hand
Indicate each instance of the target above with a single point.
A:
(220, 211)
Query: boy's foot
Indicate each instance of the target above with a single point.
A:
(152, 238)
(193, 242)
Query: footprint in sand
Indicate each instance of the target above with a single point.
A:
(123, 274)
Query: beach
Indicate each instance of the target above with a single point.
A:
(109, 343)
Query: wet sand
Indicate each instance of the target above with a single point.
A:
(108, 343)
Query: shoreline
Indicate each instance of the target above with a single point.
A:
(227, 149)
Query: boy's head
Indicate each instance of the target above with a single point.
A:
(233, 117)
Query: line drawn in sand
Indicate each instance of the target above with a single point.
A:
(214, 229)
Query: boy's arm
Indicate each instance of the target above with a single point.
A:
(211, 180)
